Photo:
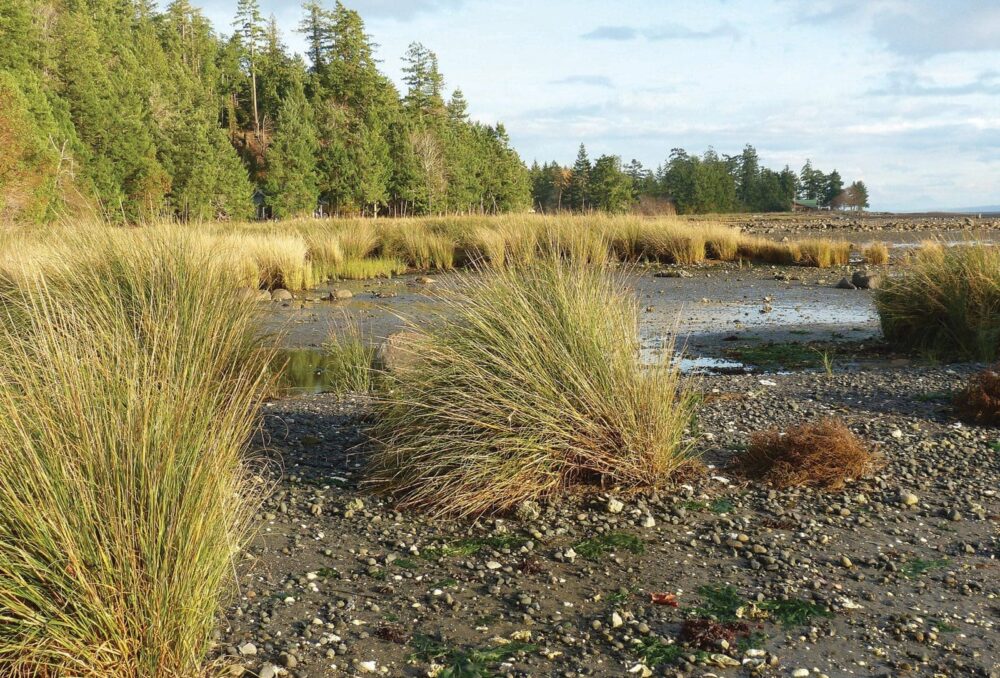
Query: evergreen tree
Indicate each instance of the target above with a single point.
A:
(611, 189)
(832, 186)
(250, 31)
(577, 195)
(423, 80)
(292, 187)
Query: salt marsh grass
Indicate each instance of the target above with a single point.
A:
(530, 388)
(129, 388)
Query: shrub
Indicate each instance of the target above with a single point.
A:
(821, 454)
(876, 254)
(129, 388)
(979, 401)
(528, 385)
(946, 303)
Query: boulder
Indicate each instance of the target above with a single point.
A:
(399, 350)
(339, 295)
(864, 281)
(281, 294)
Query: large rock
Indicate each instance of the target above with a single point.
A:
(399, 350)
(339, 295)
(281, 294)
(864, 281)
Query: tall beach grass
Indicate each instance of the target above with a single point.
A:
(946, 302)
(531, 387)
(129, 388)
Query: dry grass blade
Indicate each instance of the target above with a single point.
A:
(821, 454)
(979, 401)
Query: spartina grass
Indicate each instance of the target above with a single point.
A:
(876, 254)
(351, 361)
(945, 303)
(823, 454)
(280, 260)
(678, 245)
(527, 386)
(129, 388)
(325, 254)
(722, 242)
(366, 269)
(575, 245)
(823, 252)
(419, 247)
(767, 251)
(358, 239)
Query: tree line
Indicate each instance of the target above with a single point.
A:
(145, 114)
(689, 184)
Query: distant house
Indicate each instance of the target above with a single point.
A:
(805, 205)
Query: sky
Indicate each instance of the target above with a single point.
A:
(902, 94)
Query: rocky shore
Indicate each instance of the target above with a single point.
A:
(898, 575)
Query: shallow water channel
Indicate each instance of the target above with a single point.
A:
(701, 316)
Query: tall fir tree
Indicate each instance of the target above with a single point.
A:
(292, 187)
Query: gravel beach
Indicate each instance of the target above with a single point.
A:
(896, 575)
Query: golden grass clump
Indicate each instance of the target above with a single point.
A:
(325, 254)
(722, 242)
(351, 361)
(130, 386)
(822, 454)
(576, 245)
(527, 386)
(823, 252)
(358, 239)
(979, 401)
(419, 247)
(767, 251)
(876, 254)
(280, 260)
(366, 269)
(945, 303)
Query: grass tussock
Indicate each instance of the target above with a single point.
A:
(129, 388)
(351, 361)
(823, 252)
(767, 251)
(530, 388)
(876, 254)
(419, 247)
(822, 454)
(366, 269)
(946, 303)
(979, 401)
